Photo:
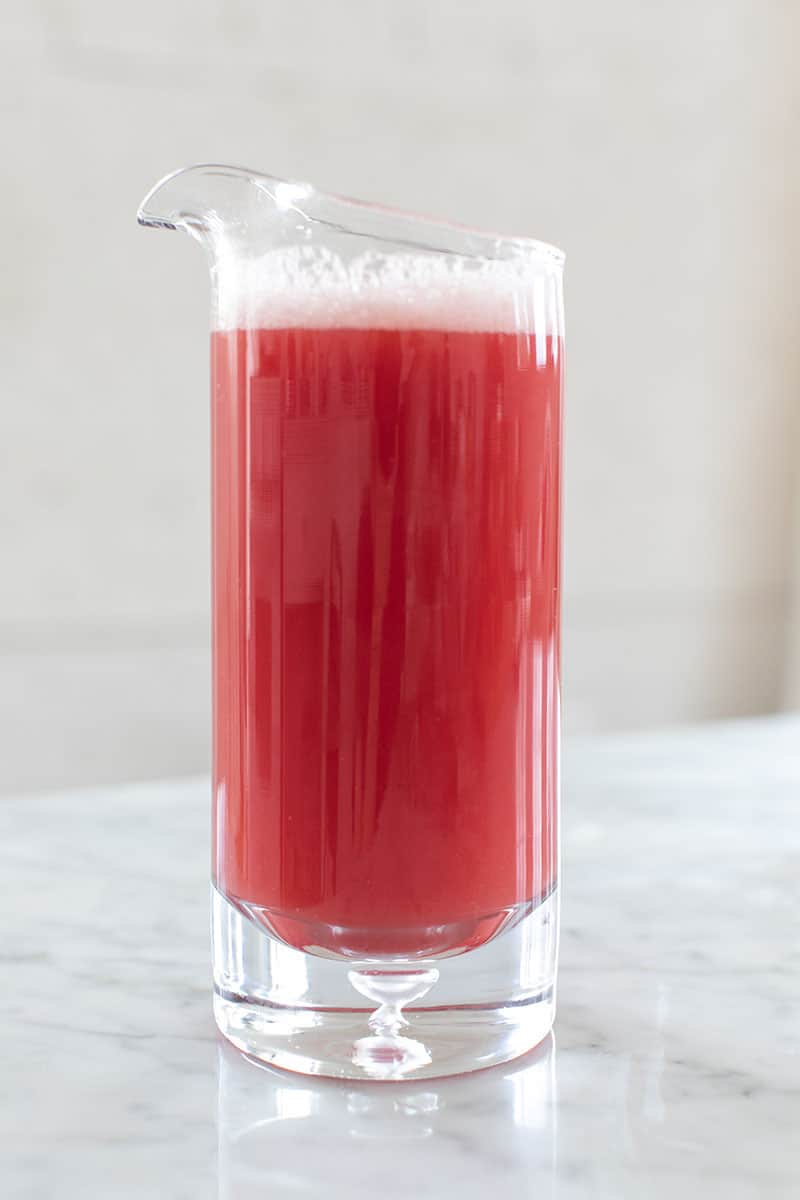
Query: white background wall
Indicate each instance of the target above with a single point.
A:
(656, 143)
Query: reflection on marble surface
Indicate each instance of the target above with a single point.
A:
(677, 1067)
(285, 1136)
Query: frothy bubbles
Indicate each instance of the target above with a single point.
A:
(314, 288)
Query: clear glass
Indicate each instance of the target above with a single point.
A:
(386, 449)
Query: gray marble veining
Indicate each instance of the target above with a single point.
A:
(674, 1070)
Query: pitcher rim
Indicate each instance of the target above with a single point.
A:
(297, 190)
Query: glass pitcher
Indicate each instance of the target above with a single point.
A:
(386, 446)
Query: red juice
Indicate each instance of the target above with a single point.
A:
(386, 517)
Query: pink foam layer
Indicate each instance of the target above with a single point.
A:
(313, 288)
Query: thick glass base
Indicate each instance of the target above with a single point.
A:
(365, 1020)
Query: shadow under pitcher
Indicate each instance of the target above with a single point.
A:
(386, 457)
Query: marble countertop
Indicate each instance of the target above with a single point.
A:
(674, 1069)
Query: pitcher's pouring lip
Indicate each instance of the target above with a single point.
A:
(154, 222)
(283, 194)
(187, 210)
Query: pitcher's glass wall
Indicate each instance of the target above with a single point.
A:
(386, 432)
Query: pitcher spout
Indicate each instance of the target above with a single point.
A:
(212, 198)
(226, 205)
